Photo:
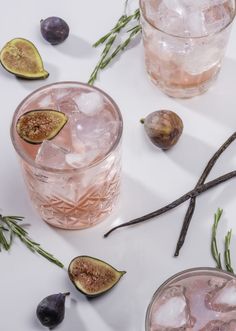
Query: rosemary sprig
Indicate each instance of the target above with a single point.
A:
(228, 264)
(106, 50)
(109, 39)
(10, 224)
(134, 31)
(214, 248)
(122, 22)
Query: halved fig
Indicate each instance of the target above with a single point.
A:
(36, 126)
(92, 276)
(20, 57)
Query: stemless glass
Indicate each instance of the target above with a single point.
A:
(196, 286)
(82, 193)
(184, 63)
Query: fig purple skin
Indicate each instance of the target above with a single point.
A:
(51, 310)
(54, 30)
(164, 128)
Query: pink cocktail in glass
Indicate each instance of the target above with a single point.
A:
(201, 299)
(74, 179)
(185, 42)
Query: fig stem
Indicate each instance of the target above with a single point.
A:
(192, 204)
(193, 193)
(142, 120)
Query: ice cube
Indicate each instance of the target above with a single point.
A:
(195, 24)
(93, 133)
(175, 6)
(222, 299)
(217, 16)
(51, 155)
(90, 103)
(196, 4)
(61, 93)
(171, 311)
(67, 106)
(202, 58)
(218, 325)
(216, 282)
(46, 101)
(170, 17)
(77, 160)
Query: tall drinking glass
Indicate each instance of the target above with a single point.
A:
(185, 42)
(74, 179)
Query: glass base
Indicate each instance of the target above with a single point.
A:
(184, 92)
(79, 222)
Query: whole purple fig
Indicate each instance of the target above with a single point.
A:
(164, 128)
(51, 310)
(54, 29)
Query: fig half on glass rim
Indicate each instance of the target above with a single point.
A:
(92, 276)
(163, 127)
(36, 126)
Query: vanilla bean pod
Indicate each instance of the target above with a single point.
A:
(193, 193)
(192, 204)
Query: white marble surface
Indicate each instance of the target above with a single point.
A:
(151, 178)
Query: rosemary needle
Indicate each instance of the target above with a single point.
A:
(228, 264)
(134, 31)
(214, 248)
(9, 224)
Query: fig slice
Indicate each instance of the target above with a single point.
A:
(36, 126)
(20, 57)
(92, 276)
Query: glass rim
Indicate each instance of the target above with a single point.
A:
(186, 37)
(173, 277)
(32, 162)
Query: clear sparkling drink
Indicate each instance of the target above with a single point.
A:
(202, 299)
(185, 42)
(73, 179)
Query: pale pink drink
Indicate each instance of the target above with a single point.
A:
(185, 42)
(73, 179)
(201, 299)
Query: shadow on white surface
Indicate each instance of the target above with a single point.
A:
(5, 73)
(71, 319)
(76, 47)
(219, 102)
(195, 162)
(32, 85)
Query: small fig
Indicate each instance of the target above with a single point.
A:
(92, 276)
(164, 128)
(51, 310)
(36, 126)
(20, 57)
(54, 30)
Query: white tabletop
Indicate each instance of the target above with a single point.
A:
(151, 178)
